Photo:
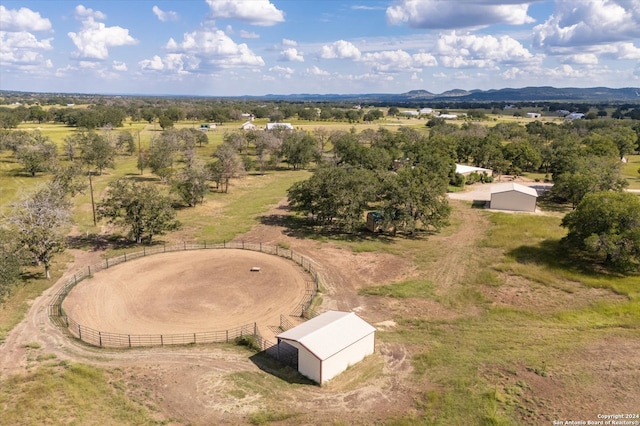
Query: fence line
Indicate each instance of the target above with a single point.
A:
(121, 340)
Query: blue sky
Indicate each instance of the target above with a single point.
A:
(257, 47)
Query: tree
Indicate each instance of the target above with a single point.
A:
(10, 261)
(39, 221)
(267, 149)
(588, 174)
(191, 183)
(415, 196)
(229, 165)
(139, 207)
(71, 179)
(334, 196)
(607, 224)
(96, 151)
(124, 142)
(162, 153)
(299, 149)
(165, 122)
(38, 155)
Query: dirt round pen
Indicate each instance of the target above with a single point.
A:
(187, 296)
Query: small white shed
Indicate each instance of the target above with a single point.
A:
(513, 196)
(329, 343)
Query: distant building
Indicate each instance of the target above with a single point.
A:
(448, 116)
(426, 111)
(328, 344)
(207, 126)
(248, 125)
(271, 126)
(410, 113)
(466, 170)
(534, 115)
(563, 112)
(514, 197)
(574, 116)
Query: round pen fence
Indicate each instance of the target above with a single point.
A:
(120, 340)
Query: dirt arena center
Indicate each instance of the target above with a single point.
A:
(187, 296)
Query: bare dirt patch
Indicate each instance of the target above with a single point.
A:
(517, 292)
(183, 292)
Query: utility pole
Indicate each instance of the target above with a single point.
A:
(93, 204)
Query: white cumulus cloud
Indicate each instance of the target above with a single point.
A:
(397, 61)
(172, 63)
(581, 59)
(215, 49)
(22, 19)
(291, 54)
(589, 22)
(340, 49)
(95, 38)
(254, 12)
(482, 51)
(314, 70)
(438, 14)
(119, 66)
(248, 34)
(82, 13)
(283, 71)
(164, 16)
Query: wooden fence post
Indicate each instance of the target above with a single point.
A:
(125, 256)
(89, 269)
(129, 340)
(79, 332)
(107, 262)
(100, 338)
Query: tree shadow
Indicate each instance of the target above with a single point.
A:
(305, 228)
(141, 178)
(480, 204)
(95, 242)
(275, 368)
(556, 254)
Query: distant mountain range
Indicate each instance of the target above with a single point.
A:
(544, 93)
(424, 97)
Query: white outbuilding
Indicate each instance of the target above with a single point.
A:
(513, 196)
(329, 343)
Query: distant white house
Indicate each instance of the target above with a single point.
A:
(271, 126)
(466, 170)
(329, 344)
(448, 116)
(248, 125)
(410, 113)
(534, 115)
(574, 116)
(514, 197)
(426, 111)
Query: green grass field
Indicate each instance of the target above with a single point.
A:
(486, 363)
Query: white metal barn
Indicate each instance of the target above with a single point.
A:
(513, 196)
(329, 343)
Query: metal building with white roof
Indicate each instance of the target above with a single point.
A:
(329, 343)
(513, 196)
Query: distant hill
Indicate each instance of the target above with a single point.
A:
(424, 97)
(543, 93)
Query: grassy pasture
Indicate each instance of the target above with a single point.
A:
(486, 364)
